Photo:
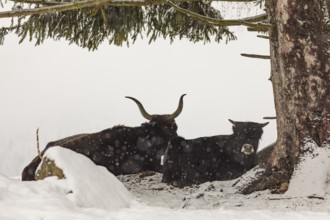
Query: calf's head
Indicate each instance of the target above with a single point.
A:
(245, 140)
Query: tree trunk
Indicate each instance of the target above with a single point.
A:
(301, 83)
(327, 2)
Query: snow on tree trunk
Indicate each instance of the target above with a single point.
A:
(311, 176)
(301, 83)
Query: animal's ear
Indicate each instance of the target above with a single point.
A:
(264, 124)
(233, 122)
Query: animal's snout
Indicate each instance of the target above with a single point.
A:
(247, 149)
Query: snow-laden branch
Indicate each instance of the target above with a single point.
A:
(52, 2)
(38, 2)
(77, 5)
(249, 21)
(50, 6)
(51, 9)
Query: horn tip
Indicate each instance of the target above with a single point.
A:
(232, 121)
(264, 124)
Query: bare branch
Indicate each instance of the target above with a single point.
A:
(38, 148)
(256, 29)
(255, 56)
(269, 117)
(263, 37)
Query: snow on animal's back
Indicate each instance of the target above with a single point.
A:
(92, 186)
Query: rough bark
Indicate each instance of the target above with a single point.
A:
(328, 6)
(301, 84)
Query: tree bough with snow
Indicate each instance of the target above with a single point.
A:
(89, 26)
(88, 23)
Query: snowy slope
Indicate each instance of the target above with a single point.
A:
(148, 199)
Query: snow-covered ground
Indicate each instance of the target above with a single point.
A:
(84, 92)
(89, 192)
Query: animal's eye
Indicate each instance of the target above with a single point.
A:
(174, 126)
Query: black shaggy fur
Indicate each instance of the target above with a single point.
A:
(122, 150)
(195, 161)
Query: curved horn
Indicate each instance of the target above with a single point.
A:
(264, 124)
(233, 122)
(144, 113)
(178, 110)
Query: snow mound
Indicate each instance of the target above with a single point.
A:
(35, 199)
(92, 186)
(47, 199)
(311, 177)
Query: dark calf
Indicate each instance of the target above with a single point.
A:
(222, 157)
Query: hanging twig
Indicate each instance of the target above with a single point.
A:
(38, 148)
(104, 16)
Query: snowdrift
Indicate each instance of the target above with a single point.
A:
(91, 186)
(90, 192)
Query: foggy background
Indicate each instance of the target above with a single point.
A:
(66, 90)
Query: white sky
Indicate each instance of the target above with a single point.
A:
(65, 90)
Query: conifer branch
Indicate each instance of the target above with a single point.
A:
(52, 9)
(104, 16)
(38, 2)
(249, 21)
(52, 2)
(52, 6)
(68, 6)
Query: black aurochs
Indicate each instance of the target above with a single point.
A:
(121, 149)
(221, 157)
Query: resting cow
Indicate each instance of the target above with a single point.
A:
(122, 150)
(222, 157)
